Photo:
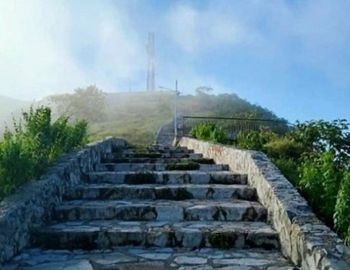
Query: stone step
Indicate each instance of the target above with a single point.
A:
(156, 160)
(102, 234)
(168, 177)
(160, 155)
(152, 258)
(165, 147)
(159, 150)
(161, 210)
(160, 166)
(155, 192)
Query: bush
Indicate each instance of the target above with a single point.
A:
(342, 209)
(209, 132)
(315, 157)
(33, 145)
(254, 140)
(320, 181)
(289, 169)
(283, 148)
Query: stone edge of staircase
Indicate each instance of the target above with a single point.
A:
(304, 238)
(30, 206)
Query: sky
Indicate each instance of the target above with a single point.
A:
(290, 56)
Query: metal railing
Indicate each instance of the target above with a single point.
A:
(234, 125)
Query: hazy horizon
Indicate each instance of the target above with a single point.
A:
(292, 57)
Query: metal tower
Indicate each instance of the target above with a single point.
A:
(150, 63)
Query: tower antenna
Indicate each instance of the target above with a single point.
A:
(150, 63)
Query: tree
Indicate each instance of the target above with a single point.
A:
(84, 104)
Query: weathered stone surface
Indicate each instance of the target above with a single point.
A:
(155, 167)
(102, 234)
(168, 177)
(157, 192)
(162, 210)
(32, 204)
(304, 239)
(117, 160)
(150, 258)
(151, 216)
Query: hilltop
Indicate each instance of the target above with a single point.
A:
(137, 116)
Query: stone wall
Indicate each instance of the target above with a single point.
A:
(304, 238)
(32, 204)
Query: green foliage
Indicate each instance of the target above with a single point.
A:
(314, 156)
(342, 209)
(289, 168)
(320, 136)
(283, 147)
(33, 145)
(254, 140)
(320, 181)
(209, 132)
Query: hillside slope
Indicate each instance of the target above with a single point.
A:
(137, 116)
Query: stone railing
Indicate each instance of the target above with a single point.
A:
(32, 204)
(304, 238)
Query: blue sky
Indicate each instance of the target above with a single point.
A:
(292, 57)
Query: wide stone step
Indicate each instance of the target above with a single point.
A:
(161, 155)
(155, 192)
(131, 258)
(160, 166)
(159, 150)
(162, 210)
(166, 147)
(102, 234)
(168, 177)
(112, 159)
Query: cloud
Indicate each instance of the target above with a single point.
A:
(196, 30)
(44, 47)
(51, 47)
(33, 49)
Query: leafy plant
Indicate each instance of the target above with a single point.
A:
(320, 181)
(314, 156)
(342, 209)
(209, 132)
(255, 140)
(33, 145)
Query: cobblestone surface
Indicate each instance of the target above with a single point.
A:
(150, 258)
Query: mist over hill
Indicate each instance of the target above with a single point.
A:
(10, 108)
(137, 116)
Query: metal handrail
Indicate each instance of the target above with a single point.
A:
(236, 118)
(252, 123)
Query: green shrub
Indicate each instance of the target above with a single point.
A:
(289, 169)
(209, 132)
(33, 145)
(342, 209)
(284, 147)
(320, 181)
(255, 140)
(314, 156)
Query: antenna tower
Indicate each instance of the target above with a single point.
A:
(150, 63)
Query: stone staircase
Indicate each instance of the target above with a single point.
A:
(157, 208)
